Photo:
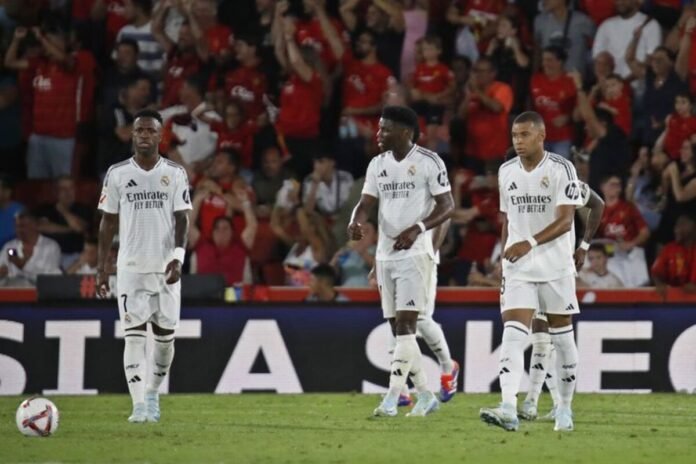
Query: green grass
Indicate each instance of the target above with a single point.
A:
(333, 428)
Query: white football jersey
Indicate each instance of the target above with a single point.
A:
(529, 200)
(145, 202)
(406, 191)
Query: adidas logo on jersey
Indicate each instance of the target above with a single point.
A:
(383, 173)
(512, 187)
(131, 183)
(570, 307)
(411, 303)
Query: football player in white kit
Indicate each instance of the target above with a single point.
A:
(539, 192)
(414, 197)
(146, 199)
(542, 367)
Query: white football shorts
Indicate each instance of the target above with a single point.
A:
(553, 297)
(147, 298)
(404, 284)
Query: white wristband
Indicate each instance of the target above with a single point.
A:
(532, 241)
(421, 225)
(584, 245)
(179, 254)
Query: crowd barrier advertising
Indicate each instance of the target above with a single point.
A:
(307, 348)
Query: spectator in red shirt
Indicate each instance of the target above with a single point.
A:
(365, 80)
(185, 58)
(247, 83)
(214, 196)
(431, 87)
(301, 97)
(225, 253)
(676, 264)
(486, 109)
(218, 37)
(680, 126)
(623, 225)
(325, 35)
(553, 97)
(236, 132)
(57, 94)
(615, 97)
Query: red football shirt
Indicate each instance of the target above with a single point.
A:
(621, 221)
(240, 139)
(676, 264)
(229, 261)
(364, 85)
(300, 107)
(679, 128)
(247, 85)
(432, 79)
(220, 39)
(598, 10)
(310, 33)
(56, 98)
(180, 66)
(115, 20)
(488, 133)
(624, 116)
(552, 98)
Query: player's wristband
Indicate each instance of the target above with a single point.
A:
(421, 226)
(584, 245)
(179, 254)
(532, 241)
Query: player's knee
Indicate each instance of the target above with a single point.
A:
(556, 320)
(157, 330)
(540, 326)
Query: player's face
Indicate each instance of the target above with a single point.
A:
(147, 134)
(527, 139)
(391, 135)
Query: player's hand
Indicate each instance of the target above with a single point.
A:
(173, 271)
(405, 239)
(355, 231)
(517, 250)
(579, 258)
(102, 284)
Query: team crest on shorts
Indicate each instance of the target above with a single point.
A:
(127, 318)
(412, 170)
(545, 182)
(164, 181)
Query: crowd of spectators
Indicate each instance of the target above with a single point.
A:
(272, 108)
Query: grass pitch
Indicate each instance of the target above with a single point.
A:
(333, 428)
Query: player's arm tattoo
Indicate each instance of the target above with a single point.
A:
(562, 224)
(595, 205)
(444, 207)
(181, 227)
(108, 226)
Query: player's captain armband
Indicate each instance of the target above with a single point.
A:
(179, 254)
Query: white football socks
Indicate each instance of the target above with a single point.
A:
(162, 357)
(551, 377)
(134, 364)
(435, 338)
(405, 352)
(566, 362)
(541, 349)
(511, 364)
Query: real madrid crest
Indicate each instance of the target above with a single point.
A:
(164, 181)
(545, 182)
(412, 170)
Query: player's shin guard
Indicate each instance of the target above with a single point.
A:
(418, 377)
(405, 352)
(511, 364)
(134, 364)
(163, 354)
(552, 378)
(541, 349)
(566, 362)
(435, 338)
